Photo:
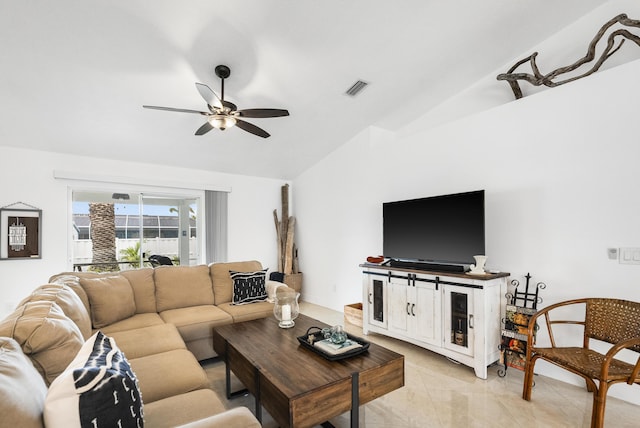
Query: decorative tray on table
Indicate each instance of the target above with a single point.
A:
(315, 341)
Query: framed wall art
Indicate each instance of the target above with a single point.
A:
(20, 232)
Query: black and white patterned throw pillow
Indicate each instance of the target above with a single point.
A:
(98, 389)
(249, 287)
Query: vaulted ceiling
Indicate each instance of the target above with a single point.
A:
(75, 73)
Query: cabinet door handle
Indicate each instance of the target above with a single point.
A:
(408, 308)
(412, 307)
(370, 302)
(470, 320)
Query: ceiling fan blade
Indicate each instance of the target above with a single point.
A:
(263, 112)
(209, 96)
(250, 127)
(179, 110)
(204, 129)
(212, 98)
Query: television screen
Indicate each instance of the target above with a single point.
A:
(445, 229)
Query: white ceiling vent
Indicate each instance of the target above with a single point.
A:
(356, 87)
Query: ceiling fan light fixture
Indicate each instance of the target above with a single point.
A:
(224, 114)
(221, 121)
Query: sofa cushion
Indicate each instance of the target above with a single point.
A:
(144, 289)
(98, 388)
(193, 406)
(68, 301)
(222, 282)
(196, 322)
(241, 313)
(141, 281)
(135, 322)
(182, 286)
(248, 287)
(73, 282)
(168, 373)
(110, 299)
(21, 387)
(239, 417)
(155, 339)
(46, 335)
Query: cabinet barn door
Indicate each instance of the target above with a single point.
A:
(427, 314)
(398, 305)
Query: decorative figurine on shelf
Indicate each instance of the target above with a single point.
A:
(286, 308)
(478, 268)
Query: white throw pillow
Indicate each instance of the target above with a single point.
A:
(98, 389)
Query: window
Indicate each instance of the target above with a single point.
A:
(118, 231)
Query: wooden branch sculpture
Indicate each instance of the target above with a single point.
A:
(538, 78)
(287, 251)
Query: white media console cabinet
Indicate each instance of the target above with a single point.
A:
(453, 314)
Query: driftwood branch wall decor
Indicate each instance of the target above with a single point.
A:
(538, 79)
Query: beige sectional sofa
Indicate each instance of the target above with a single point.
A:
(161, 319)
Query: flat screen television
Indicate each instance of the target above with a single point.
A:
(440, 232)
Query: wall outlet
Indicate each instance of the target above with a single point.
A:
(629, 256)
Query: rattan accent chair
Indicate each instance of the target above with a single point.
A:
(608, 320)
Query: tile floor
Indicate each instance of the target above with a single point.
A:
(441, 393)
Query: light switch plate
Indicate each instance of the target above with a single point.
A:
(629, 256)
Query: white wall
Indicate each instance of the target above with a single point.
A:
(560, 173)
(27, 176)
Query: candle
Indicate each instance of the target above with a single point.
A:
(286, 312)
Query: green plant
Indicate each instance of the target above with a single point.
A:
(132, 255)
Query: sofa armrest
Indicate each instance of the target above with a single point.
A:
(240, 417)
(271, 287)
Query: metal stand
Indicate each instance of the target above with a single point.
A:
(527, 301)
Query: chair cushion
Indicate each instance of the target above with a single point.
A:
(110, 298)
(99, 387)
(222, 282)
(21, 387)
(182, 286)
(46, 335)
(248, 287)
(68, 301)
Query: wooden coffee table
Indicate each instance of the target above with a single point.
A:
(298, 387)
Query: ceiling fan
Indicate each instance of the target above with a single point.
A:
(223, 114)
